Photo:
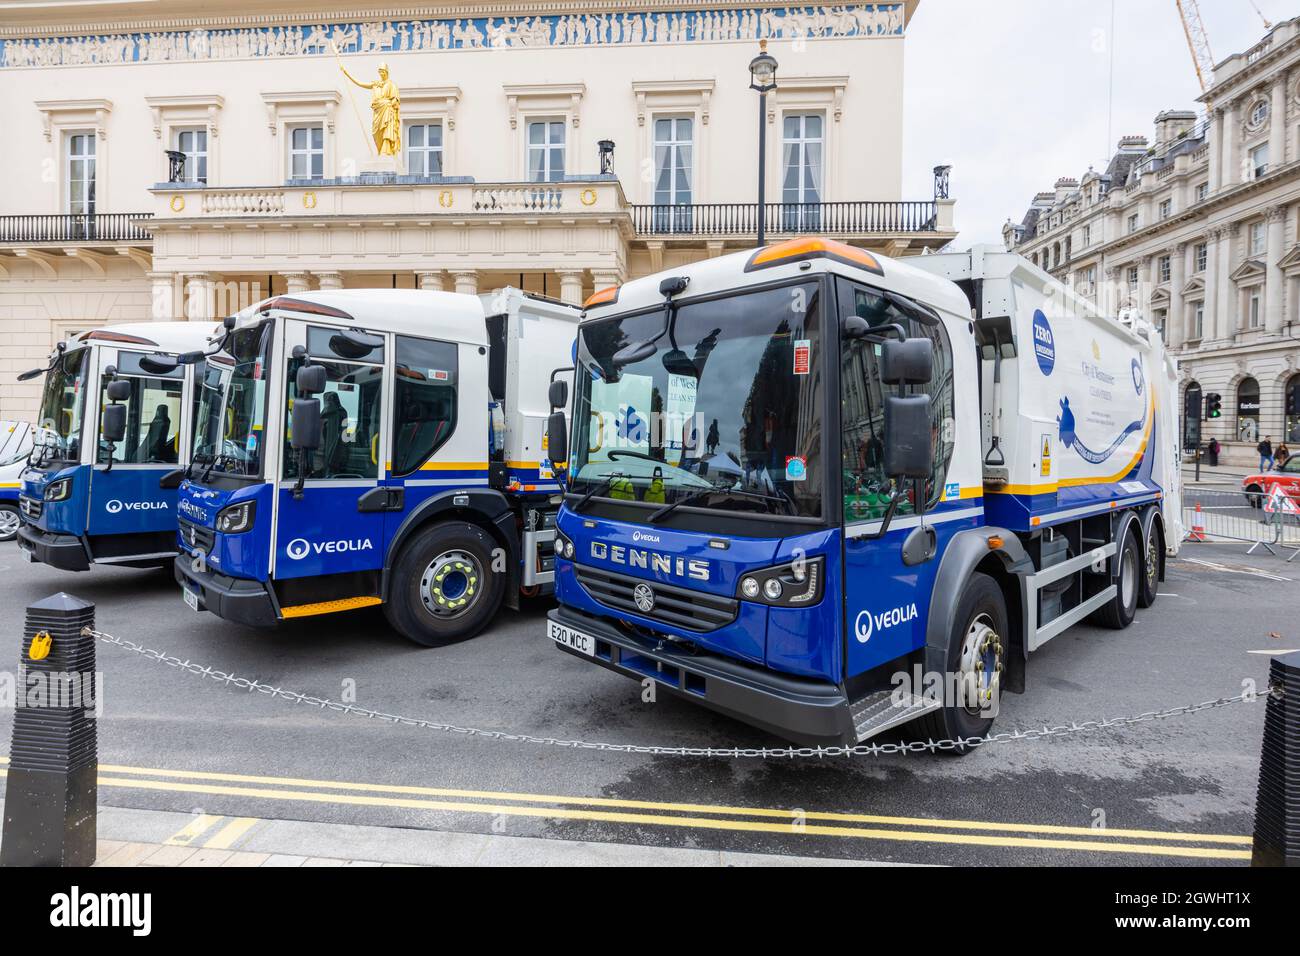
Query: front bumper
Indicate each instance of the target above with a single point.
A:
(807, 712)
(233, 599)
(66, 552)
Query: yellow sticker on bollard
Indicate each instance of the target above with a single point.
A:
(40, 648)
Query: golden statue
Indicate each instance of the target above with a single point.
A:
(386, 105)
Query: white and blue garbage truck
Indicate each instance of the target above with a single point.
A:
(111, 439)
(376, 447)
(829, 493)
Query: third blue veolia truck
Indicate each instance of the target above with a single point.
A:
(112, 434)
(829, 493)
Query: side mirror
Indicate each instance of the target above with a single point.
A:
(633, 353)
(159, 364)
(310, 380)
(909, 362)
(172, 479)
(557, 437)
(30, 374)
(113, 428)
(191, 358)
(558, 393)
(907, 436)
(351, 344)
(306, 422)
(119, 391)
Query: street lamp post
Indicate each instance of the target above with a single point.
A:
(762, 77)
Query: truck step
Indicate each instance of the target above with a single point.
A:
(879, 711)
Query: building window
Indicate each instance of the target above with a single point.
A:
(1201, 255)
(1257, 239)
(1166, 268)
(674, 139)
(424, 149)
(1133, 223)
(802, 169)
(1202, 191)
(1259, 114)
(1248, 410)
(1166, 208)
(80, 172)
(1291, 422)
(1087, 235)
(1253, 309)
(194, 144)
(1259, 160)
(1132, 278)
(1192, 407)
(546, 151)
(306, 152)
(1198, 322)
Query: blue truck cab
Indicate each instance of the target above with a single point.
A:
(85, 500)
(828, 493)
(368, 447)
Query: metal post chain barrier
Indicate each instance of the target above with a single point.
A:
(858, 750)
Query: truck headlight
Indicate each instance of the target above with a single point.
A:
(563, 546)
(58, 490)
(797, 584)
(236, 518)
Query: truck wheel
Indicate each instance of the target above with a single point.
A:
(8, 521)
(1150, 585)
(979, 639)
(444, 588)
(1118, 612)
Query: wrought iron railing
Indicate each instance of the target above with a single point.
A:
(98, 227)
(739, 219)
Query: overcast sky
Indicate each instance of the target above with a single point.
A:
(1016, 93)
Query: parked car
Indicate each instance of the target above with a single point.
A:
(15, 446)
(1259, 487)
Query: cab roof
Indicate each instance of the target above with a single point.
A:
(794, 258)
(451, 316)
(171, 337)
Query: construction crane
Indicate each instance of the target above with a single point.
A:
(1198, 41)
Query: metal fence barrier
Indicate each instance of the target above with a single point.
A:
(1223, 512)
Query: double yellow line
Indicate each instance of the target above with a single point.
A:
(689, 816)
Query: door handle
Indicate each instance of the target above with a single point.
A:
(382, 499)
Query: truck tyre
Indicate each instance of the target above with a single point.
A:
(1118, 612)
(9, 521)
(444, 587)
(1149, 587)
(979, 640)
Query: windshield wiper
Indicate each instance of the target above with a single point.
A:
(668, 509)
(603, 486)
(783, 499)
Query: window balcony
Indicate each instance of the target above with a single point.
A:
(863, 219)
(63, 230)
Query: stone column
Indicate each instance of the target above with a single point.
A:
(1230, 162)
(329, 280)
(1109, 298)
(1175, 320)
(1277, 123)
(604, 279)
(571, 285)
(198, 297)
(430, 281)
(1273, 277)
(295, 282)
(1223, 322)
(1144, 284)
(1216, 150)
(466, 281)
(163, 287)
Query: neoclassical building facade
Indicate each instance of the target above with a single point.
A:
(1199, 228)
(186, 163)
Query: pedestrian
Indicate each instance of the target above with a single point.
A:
(1265, 449)
(1213, 449)
(1281, 454)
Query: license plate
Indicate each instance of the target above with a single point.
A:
(191, 599)
(574, 640)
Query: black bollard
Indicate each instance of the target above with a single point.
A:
(1277, 808)
(51, 792)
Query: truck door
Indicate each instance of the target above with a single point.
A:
(885, 601)
(125, 499)
(336, 525)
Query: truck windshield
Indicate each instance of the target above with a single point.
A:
(232, 404)
(58, 424)
(723, 414)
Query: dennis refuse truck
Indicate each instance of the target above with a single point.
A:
(376, 447)
(829, 493)
(112, 435)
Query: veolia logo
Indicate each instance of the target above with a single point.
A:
(1044, 343)
(114, 506)
(867, 623)
(299, 548)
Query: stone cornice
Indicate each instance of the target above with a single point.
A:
(396, 12)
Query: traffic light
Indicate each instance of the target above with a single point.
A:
(1214, 405)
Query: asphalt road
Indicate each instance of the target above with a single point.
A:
(173, 741)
